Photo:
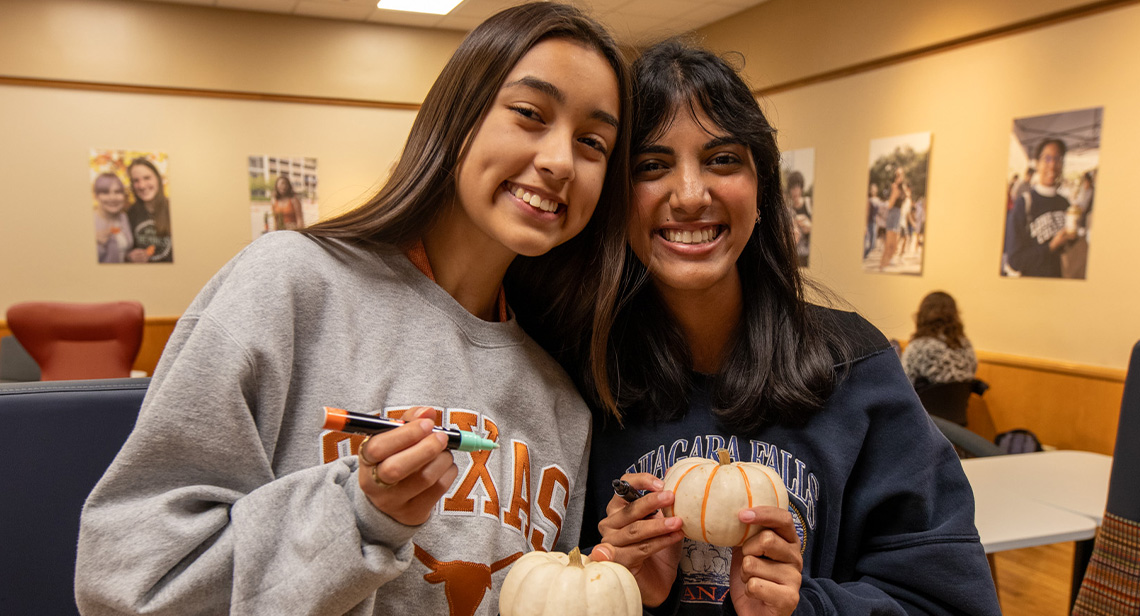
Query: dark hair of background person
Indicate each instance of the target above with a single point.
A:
(781, 368)
(1061, 147)
(937, 317)
(795, 178)
(569, 292)
(161, 205)
(288, 192)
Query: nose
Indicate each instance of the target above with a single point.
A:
(555, 156)
(691, 193)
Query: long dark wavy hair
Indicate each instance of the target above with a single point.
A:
(781, 367)
(566, 294)
(938, 318)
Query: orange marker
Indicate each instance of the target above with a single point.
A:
(359, 423)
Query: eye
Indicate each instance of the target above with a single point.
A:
(724, 158)
(595, 143)
(649, 169)
(527, 112)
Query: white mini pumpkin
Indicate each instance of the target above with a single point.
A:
(708, 495)
(539, 580)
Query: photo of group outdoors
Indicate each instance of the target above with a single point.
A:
(282, 193)
(797, 172)
(131, 203)
(896, 204)
(1052, 173)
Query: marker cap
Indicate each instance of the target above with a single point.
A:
(335, 419)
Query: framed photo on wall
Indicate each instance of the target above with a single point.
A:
(1052, 176)
(282, 193)
(895, 234)
(797, 173)
(131, 203)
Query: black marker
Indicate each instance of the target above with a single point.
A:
(626, 491)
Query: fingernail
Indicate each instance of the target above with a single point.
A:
(601, 554)
(673, 523)
(442, 438)
(747, 515)
(658, 484)
(426, 424)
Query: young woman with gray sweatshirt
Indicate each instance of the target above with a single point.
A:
(229, 497)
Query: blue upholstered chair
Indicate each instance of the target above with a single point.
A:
(56, 440)
(1111, 584)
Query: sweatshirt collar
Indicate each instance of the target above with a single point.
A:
(418, 256)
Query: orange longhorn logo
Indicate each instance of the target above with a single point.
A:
(464, 583)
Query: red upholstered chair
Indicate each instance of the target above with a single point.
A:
(79, 341)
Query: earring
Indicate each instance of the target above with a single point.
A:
(757, 217)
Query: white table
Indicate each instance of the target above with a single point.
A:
(1009, 521)
(1030, 499)
(1075, 481)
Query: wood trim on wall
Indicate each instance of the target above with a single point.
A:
(1114, 375)
(1019, 27)
(1067, 406)
(72, 84)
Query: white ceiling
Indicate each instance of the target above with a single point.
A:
(632, 21)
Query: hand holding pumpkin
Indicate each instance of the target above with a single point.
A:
(766, 572)
(638, 536)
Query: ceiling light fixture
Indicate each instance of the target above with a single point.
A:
(435, 7)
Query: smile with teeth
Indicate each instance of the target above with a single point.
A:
(534, 200)
(700, 236)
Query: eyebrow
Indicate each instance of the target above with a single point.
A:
(552, 91)
(654, 148)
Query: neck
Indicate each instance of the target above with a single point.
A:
(466, 263)
(709, 320)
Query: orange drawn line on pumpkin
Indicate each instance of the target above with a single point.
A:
(705, 502)
(748, 491)
(677, 486)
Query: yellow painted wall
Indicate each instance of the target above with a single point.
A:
(46, 232)
(967, 98)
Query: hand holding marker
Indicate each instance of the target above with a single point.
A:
(359, 423)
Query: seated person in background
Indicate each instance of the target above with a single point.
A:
(939, 351)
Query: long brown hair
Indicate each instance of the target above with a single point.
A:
(567, 294)
(938, 318)
(161, 213)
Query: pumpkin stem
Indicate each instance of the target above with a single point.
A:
(576, 558)
(722, 456)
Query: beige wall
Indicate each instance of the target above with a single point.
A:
(159, 44)
(46, 233)
(967, 98)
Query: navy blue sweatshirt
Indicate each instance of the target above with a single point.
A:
(881, 504)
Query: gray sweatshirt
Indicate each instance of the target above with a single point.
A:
(229, 497)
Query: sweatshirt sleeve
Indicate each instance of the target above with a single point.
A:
(907, 543)
(1025, 254)
(191, 517)
(576, 503)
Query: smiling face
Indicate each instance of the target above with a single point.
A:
(695, 197)
(111, 195)
(533, 170)
(1050, 164)
(144, 182)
